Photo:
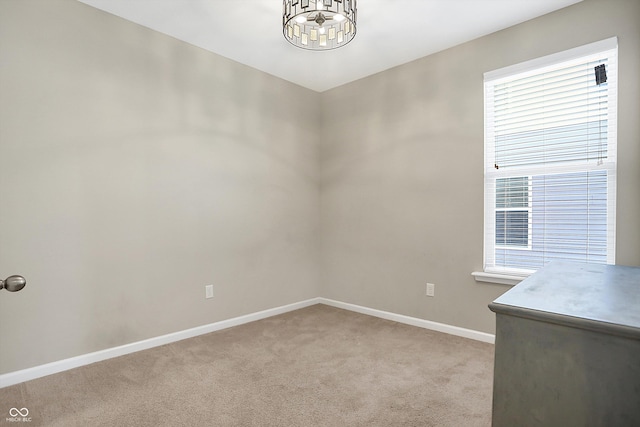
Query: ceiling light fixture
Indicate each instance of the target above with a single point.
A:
(319, 24)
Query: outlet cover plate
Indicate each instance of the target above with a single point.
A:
(431, 289)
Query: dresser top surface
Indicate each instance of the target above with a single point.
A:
(582, 292)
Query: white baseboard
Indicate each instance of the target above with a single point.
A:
(16, 377)
(74, 362)
(413, 321)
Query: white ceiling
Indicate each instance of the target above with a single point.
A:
(389, 33)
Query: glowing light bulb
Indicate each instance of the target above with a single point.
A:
(339, 17)
(301, 19)
(321, 30)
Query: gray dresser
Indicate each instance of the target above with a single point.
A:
(568, 348)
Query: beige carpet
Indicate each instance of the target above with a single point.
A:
(319, 366)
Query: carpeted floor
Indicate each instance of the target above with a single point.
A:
(319, 366)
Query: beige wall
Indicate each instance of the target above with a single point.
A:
(134, 170)
(402, 168)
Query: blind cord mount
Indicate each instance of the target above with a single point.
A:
(601, 74)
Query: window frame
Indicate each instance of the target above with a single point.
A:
(507, 275)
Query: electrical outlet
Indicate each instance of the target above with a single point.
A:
(208, 291)
(431, 289)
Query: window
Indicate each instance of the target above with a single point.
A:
(513, 212)
(550, 161)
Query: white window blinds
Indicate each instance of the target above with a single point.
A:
(550, 160)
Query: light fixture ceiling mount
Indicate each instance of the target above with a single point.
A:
(319, 24)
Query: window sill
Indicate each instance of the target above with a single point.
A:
(503, 279)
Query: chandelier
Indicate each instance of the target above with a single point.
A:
(319, 24)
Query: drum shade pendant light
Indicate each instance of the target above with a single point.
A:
(319, 24)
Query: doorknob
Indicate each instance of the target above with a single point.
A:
(13, 283)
